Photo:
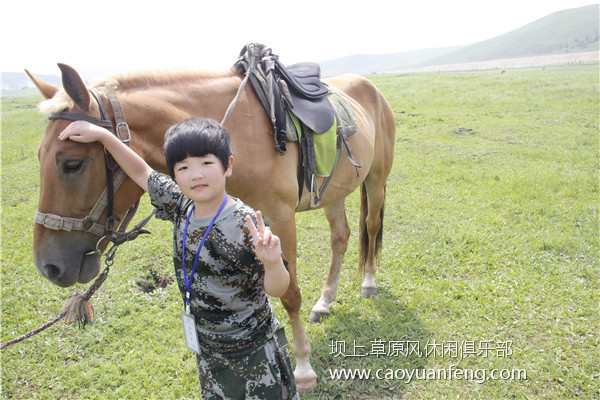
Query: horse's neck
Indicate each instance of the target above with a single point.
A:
(154, 106)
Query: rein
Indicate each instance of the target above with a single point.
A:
(253, 55)
(78, 307)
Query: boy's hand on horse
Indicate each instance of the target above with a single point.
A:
(84, 132)
(134, 166)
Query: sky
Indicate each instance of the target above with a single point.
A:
(109, 36)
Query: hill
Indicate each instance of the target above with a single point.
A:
(19, 80)
(568, 31)
(565, 32)
(365, 64)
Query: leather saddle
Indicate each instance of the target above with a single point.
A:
(298, 89)
(307, 95)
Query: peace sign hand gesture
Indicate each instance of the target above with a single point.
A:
(267, 246)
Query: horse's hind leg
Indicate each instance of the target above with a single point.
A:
(371, 230)
(340, 232)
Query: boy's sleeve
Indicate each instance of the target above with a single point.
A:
(164, 195)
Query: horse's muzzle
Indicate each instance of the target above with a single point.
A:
(65, 277)
(66, 258)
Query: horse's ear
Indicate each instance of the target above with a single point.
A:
(74, 86)
(48, 90)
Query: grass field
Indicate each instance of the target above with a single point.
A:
(489, 271)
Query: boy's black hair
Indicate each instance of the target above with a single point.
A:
(196, 137)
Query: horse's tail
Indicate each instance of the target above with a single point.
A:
(364, 240)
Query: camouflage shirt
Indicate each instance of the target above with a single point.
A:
(227, 298)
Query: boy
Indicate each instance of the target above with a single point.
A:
(229, 267)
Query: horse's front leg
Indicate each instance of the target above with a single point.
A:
(339, 235)
(306, 378)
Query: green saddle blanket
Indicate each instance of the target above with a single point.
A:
(325, 144)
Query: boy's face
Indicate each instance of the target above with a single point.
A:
(202, 179)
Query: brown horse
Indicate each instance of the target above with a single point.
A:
(73, 174)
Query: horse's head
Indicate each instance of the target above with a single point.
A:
(72, 212)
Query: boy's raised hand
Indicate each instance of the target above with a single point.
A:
(267, 246)
(82, 131)
(134, 166)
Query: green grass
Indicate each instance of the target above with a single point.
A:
(491, 238)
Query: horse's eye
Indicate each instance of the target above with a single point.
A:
(72, 166)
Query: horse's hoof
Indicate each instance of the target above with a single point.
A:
(368, 291)
(316, 316)
(306, 385)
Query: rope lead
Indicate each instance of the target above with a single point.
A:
(77, 308)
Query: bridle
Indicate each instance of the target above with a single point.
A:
(78, 307)
(91, 223)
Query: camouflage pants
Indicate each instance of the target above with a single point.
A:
(264, 373)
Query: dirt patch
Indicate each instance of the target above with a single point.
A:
(153, 280)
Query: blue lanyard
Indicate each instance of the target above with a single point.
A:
(188, 282)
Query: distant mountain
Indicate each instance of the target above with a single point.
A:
(365, 64)
(567, 31)
(19, 80)
(564, 32)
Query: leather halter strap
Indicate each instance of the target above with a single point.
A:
(90, 223)
(69, 116)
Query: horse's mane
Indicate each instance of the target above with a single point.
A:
(139, 79)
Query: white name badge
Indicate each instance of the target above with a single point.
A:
(190, 333)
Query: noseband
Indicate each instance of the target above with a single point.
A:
(91, 223)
